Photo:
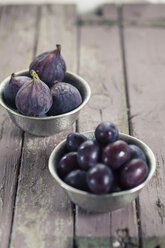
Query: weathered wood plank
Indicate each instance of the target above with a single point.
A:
(43, 216)
(107, 14)
(16, 27)
(110, 12)
(59, 27)
(145, 69)
(101, 65)
(124, 227)
(145, 14)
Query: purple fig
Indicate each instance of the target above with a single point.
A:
(66, 97)
(50, 66)
(34, 98)
(11, 89)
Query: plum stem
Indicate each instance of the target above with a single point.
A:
(34, 75)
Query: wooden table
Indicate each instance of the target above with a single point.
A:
(121, 53)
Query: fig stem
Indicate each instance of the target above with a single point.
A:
(58, 47)
(13, 75)
(34, 75)
(55, 82)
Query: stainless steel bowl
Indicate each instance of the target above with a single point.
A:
(46, 126)
(106, 202)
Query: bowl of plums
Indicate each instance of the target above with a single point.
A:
(44, 99)
(102, 170)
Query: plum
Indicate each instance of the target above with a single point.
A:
(87, 154)
(133, 173)
(136, 152)
(67, 164)
(74, 140)
(106, 132)
(115, 154)
(77, 179)
(100, 179)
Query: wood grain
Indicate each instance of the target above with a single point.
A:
(109, 12)
(16, 27)
(145, 59)
(58, 26)
(145, 14)
(43, 216)
(101, 65)
(106, 14)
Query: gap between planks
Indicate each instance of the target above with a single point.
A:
(40, 48)
(122, 44)
(76, 129)
(125, 79)
(38, 16)
(9, 40)
(144, 53)
(93, 23)
(16, 188)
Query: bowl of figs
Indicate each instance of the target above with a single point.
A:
(46, 98)
(102, 170)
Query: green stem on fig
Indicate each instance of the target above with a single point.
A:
(34, 75)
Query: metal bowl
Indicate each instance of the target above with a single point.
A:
(46, 126)
(106, 202)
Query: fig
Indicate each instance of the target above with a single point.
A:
(11, 89)
(50, 66)
(66, 97)
(34, 98)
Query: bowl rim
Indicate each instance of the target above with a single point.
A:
(115, 194)
(19, 73)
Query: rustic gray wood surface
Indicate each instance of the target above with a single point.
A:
(101, 65)
(120, 52)
(14, 57)
(145, 75)
(43, 214)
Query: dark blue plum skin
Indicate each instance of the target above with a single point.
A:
(115, 188)
(67, 164)
(77, 179)
(13, 87)
(74, 140)
(66, 97)
(133, 173)
(106, 132)
(34, 99)
(88, 154)
(136, 152)
(116, 182)
(100, 179)
(50, 66)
